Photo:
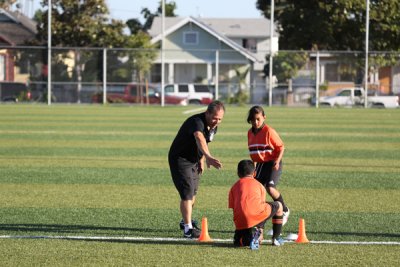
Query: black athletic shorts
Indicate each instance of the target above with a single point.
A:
(266, 174)
(242, 237)
(186, 177)
(274, 209)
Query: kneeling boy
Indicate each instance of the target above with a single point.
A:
(251, 211)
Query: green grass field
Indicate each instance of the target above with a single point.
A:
(70, 170)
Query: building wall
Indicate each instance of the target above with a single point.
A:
(179, 52)
(396, 80)
(385, 82)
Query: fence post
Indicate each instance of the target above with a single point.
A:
(49, 53)
(216, 73)
(317, 78)
(366, 56)
(271, 34)
(104, 75)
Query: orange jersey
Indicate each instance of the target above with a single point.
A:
(247, 199)
(265, 145)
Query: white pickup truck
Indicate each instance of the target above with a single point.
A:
(355, 96)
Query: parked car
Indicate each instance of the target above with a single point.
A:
(10, 91)
(355, 96)
(199, 94)
(136, 93)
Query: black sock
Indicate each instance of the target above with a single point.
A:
(280, 199)
(276, 226)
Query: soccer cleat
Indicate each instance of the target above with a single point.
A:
(278, 241)
(192, 233)
(285, 216)
(194, 223)
(255, 236)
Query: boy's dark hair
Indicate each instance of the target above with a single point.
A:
(245, 168)
(253, 111)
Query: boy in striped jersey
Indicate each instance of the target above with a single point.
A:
(266, 150)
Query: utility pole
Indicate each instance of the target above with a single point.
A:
(271, 30)
(366, 55)
(49, 53)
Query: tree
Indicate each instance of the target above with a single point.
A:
(339, 25)
(6, 4)
(335, 25)
(241, 96)
(135, 25)
(79, 24)
(287, 64)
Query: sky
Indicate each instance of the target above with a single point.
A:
(127, 9)
(195, 8)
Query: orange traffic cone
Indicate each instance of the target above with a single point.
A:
(204, 237)
(302, 238)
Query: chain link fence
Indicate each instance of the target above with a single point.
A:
(94, 75)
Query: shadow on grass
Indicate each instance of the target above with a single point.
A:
(37, 230)
(58, 228)
(188, 242)
(34, 231)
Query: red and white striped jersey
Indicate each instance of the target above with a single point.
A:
(265, 145)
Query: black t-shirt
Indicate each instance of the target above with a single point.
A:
(184, 144)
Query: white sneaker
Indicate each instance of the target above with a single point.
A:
(278, 241)
(285, 217)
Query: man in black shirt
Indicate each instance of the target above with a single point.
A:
(187, 156)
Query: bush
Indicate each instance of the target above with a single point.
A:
(241, 98)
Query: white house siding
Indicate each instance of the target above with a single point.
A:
(188, 63)
(190, 73)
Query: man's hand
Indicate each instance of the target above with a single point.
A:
(213, 162)
(202, 145)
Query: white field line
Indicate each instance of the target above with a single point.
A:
(194, 110)
(170, 239)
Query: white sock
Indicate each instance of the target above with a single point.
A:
(188, 226)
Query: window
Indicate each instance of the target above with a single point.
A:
(357, 93)
(191, 38)
(133, 88)
(115, 89)
(169, 89)
(201, 89)
(183, 88)
(151, 91)
(345, 93)
(250, 44)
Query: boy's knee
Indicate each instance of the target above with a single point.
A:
(280, 209)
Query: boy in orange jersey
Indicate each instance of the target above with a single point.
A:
(266, 150)
(251, 211)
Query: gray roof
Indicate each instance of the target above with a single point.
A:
(179, 23)
(234, 27)
(15, 28)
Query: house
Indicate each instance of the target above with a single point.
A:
(15, 29)
(381, 80)
(198, 50)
